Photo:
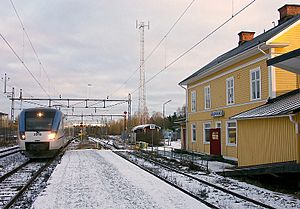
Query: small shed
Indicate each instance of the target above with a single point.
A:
(146, 132)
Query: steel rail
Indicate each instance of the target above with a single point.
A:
(27, 185)
(33, 178)
(168, 182)
(9, 153)
(208, 183)
(9, 149)
(8, 174)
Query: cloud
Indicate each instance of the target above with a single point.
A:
(96, 42)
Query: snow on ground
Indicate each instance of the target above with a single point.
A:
(10, 162)
(216, 166)
(101, 179)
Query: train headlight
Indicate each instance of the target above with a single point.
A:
(23, 137)
(51, 136)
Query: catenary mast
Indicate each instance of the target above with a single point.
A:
(142, 109)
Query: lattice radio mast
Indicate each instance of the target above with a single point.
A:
(142, 109)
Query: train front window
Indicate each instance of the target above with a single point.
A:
(39, 120)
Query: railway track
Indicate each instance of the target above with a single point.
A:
(16, 182)
(197, 188)
(9, 151)
(13, 185)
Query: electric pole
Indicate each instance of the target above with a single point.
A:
(12, 112)
(5, 82)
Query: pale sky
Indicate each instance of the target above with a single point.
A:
(96, 42)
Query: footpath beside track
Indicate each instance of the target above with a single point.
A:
(175, 178)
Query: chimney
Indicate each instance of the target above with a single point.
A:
(245, 36)
(287, 12)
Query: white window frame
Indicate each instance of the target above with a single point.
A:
(218, 122)
(193, 101)
(193, 127)
(236, 136)
(230, 100)
(254, 81)
(206, 123)
(207, 97)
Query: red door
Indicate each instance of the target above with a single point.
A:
(215, 141)
(184, 139)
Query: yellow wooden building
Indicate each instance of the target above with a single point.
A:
(269, 133)
(237, 81)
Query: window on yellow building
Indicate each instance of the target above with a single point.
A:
(231, 134)
(193, 101)
(230, 90)
(207, 98)
(206, 130)
(255, 84)
(193, 132)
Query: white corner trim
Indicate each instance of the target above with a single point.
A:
(272, 78)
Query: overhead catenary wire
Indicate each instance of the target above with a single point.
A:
(24, 65)
(17, 88)
(196, 44)
(18, 102)
(30, 42)
(156, 46)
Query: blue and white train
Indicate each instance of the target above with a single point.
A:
(41, 132)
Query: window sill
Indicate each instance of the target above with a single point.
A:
(206, 142)
(255, 99)
(231, 145)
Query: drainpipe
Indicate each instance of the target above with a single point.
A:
(292, 119)
(186, 116)
(271, 72)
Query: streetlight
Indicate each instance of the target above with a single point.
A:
(164, 106)
(164, 116)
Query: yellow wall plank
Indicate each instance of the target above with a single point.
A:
(263, 141)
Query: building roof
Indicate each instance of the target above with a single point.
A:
(141, 127)
(262, 38)
(289, 61)
(288, 103)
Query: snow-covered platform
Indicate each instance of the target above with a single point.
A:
(101, 179)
